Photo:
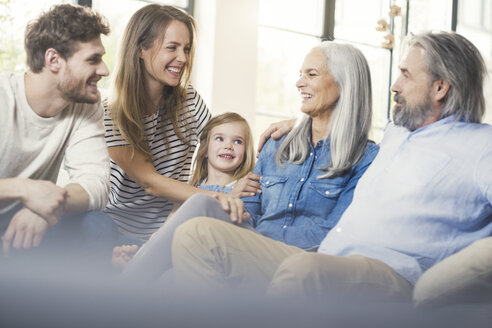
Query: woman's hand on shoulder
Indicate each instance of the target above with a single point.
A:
(234, 206)
(247, 186)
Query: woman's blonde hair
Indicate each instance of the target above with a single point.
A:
(129, 100)
(200, 166)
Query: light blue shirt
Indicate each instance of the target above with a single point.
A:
(218, 188)
(427, 195)
(296, 207)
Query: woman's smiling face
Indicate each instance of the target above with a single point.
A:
(318, 89)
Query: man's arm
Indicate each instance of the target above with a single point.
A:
(275, 131)
(27, 227)
(87, 164)
(77, 199)
(42, 197)
(25, 230)
(44, 202)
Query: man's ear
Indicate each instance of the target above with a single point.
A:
(441, 88)
(52, 60)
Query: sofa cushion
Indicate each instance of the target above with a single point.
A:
(464, 277)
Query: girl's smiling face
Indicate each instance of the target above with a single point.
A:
(226, 147)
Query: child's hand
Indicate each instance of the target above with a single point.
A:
(234, 206)
(247, 186)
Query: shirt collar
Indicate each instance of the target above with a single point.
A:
(319, 144)
(441, 122)
(436, 125)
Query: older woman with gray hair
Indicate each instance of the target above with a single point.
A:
(307, 178)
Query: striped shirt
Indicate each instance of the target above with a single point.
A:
(135, 212)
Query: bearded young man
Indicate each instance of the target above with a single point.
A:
(52, 114)
(426, 196)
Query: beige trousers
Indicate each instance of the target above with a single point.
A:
(211, 254)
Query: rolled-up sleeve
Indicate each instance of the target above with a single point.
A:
(86, 157)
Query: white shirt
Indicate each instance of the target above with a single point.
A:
(34, 147)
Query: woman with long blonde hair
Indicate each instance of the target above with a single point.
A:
(153, 121)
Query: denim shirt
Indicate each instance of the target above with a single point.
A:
(296, 207)
(218, 188)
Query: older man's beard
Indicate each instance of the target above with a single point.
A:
(411, 117)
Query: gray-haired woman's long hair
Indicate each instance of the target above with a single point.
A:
(351, 119)
(451, 57)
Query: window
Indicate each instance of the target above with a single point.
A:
(14, 16)
(355, 23)
(475, 24)
(286, 31)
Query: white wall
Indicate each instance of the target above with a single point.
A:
(224, 71)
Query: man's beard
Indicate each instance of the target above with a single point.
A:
(412, 117)
(73, 90)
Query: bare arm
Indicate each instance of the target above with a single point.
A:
(145, 175)
(77, 199)
(42, 197)
(25, 230)
(142, 171)
(44, 202)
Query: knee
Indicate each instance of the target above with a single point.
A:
(186, 230)
(192, 232)
(200, 200)
(299, 266)
(200, 205)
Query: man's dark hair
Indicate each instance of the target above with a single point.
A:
(61, 28)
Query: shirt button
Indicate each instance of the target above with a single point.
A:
(302, 179)
(268, 182)
(338, 229)
(327, 192)
(311, 154)
(290, 205)
(285, 227)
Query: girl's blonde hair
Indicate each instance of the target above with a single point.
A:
(200, 168)
(129, 101)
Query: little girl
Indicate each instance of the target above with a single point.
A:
(225, 155)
